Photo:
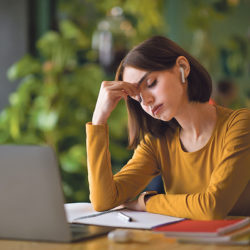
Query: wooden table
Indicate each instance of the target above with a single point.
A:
(152, 242)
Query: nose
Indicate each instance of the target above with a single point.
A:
(146, 98)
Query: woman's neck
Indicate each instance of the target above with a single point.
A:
(197, 124)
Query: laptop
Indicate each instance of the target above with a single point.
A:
(32, 200)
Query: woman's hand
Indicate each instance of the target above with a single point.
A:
(135, 205)
(140, 203)
(110, 94)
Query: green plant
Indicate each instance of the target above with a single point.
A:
(57, 94)
(55, 99)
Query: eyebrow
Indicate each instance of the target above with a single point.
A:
(143, 78)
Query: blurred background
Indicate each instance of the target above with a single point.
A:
(54, 54)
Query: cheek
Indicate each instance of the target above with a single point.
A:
(171, 91)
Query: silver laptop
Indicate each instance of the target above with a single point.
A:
(31, 197)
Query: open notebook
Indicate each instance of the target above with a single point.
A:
(85, 214)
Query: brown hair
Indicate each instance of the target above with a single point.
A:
(156, 54)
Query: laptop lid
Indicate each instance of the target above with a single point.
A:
(31, 197)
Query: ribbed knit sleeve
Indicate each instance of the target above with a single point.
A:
(108, 191)
(229, 178)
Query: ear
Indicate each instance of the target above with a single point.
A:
(184, 67)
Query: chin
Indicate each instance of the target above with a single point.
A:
(165, 120)
(165, 117)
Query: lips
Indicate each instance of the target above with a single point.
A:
(156, 109)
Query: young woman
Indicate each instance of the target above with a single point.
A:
(202, 151)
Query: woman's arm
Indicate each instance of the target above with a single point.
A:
(99, 167)
(228, 180)
(111, 92)
(108, 191)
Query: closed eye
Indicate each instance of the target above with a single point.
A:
(152, 84)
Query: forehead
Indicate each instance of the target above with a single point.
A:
(133, 75)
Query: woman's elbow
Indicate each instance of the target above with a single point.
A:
(214, 213)
(99, 205)
(212, 209)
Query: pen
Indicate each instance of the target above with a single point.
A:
(124, 217)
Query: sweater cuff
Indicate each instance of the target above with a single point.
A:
(90, 128)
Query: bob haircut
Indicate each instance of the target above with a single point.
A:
(156, 54)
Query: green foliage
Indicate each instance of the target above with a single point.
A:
(217, 32)
(59, 87)
(55, 99)
(142, 19)
(58, 90)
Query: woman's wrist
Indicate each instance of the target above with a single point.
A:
(147, 197)
(144, 197)
(98, 120)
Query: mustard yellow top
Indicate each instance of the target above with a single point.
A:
(205, 184)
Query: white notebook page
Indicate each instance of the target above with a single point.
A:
(140, 220)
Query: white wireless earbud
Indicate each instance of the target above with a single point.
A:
(182, 75)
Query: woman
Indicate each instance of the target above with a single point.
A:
(201, 150)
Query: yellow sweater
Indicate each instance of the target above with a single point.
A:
(205, 184)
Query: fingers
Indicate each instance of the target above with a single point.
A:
(110, 94)
(128, 88)
(118, 94)
(134, 205)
